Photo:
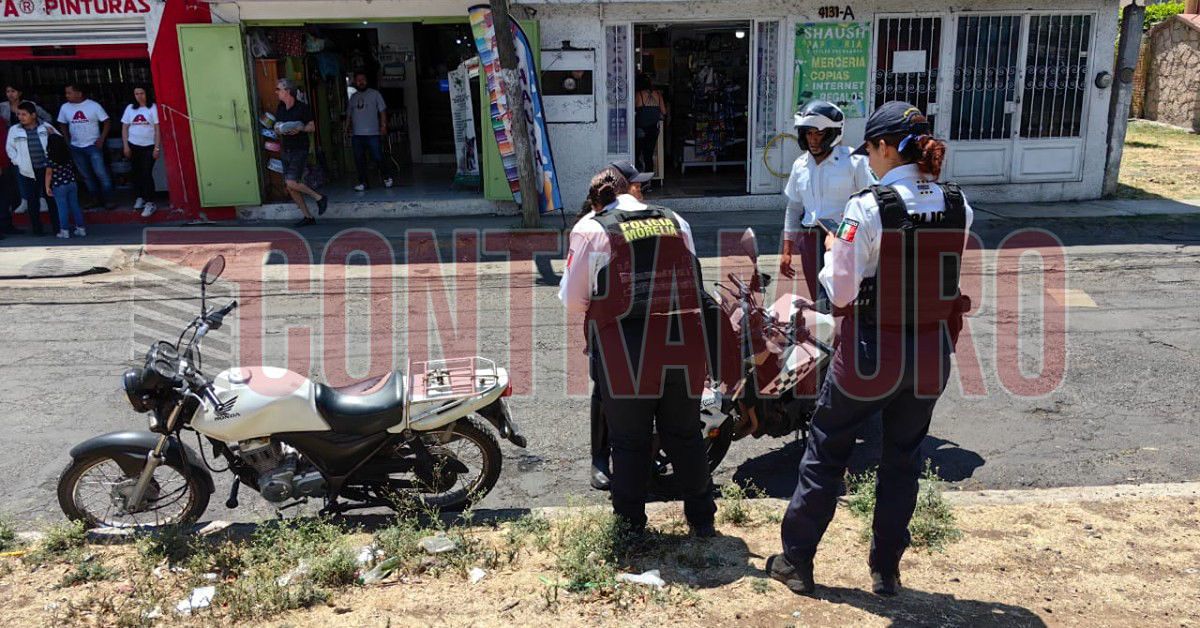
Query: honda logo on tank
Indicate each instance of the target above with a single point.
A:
(15, 10)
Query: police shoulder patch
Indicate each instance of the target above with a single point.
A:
(847, 230)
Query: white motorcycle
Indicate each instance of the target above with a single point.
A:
(378, 443)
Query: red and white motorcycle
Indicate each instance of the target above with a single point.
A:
(427, 435)
(771, 390)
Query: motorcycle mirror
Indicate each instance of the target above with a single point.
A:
(750, 245)
(212, 270)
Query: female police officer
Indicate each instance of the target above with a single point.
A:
(633, 269)
(892, 273)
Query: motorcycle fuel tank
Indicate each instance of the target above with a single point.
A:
(258, 402)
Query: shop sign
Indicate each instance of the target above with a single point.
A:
(31, 10)
(831, 64)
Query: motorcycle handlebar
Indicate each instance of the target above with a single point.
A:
(215, 319)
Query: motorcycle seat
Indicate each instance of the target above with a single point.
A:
(363, 408)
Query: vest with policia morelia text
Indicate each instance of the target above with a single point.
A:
(921, 254)
(651, 271)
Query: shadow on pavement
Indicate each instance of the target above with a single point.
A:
(776, 472)
(922, 608)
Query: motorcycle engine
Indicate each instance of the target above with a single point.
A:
(276, 465)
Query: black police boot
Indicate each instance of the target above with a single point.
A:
(600, 480)
(798, 578)
(885, 583)
(703, 530)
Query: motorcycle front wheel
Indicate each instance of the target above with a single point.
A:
(95, 489)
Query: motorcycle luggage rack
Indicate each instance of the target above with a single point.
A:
(455, 378)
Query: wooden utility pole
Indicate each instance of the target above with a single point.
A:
(1122, 92)
(510, 78)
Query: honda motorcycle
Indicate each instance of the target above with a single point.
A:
(781, 353)
(415, 436)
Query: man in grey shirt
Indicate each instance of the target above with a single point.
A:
(366, 124)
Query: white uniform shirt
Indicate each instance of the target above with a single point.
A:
(590, 251)
(820, 190)
(855, 252)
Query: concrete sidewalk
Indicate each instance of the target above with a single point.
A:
(114, 247)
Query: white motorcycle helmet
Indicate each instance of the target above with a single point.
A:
(822, 116)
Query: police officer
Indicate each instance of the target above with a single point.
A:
(892, 273)
(823, 178)
(633, 269)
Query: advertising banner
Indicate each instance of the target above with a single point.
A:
(484, 30)
(831, 64)
(462, 113)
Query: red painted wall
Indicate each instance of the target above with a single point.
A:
(167, 70)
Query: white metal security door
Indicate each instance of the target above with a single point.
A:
(908, 56)
(987, 94)
(1050, 142)
(765, 104)
(1020, 96)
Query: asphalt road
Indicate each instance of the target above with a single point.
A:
(1125, 410)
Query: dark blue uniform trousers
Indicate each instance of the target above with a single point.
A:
(906, 412)
(632, 420)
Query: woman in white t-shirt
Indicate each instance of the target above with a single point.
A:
(139, 130)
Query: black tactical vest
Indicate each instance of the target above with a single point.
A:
(919, 261)
(651, 270)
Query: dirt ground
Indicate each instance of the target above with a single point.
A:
(1118, 562)
(1160, 161)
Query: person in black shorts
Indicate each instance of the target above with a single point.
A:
(294, 122)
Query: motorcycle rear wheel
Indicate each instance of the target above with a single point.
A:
(175, 497)
(471, 434)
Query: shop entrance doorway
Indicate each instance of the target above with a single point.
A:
(691, 103)
(409, 65)
(110, 83)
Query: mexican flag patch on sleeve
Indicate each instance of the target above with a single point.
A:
(847, 230)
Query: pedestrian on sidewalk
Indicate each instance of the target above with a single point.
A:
(26, 147)
(143, 143)
(898, 331)
(62, 186)
(366, 124)
(87, 124)
(8, 185)
(295, 121)
(822, 180)
(13, 97)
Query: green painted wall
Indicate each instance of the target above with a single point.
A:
(224, 131)
(495, 184)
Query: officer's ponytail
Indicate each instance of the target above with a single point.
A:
(926, 151)
(606, 187)
(930, 153)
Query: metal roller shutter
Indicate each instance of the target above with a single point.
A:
(74, 32)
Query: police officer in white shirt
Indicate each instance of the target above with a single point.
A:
(632, 268)
(823, 178)
(892, 275)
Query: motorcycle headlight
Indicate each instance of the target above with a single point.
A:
(133, 383)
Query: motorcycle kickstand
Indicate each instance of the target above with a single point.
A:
(232, 502)
(295, 504)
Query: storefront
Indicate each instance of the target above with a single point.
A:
(107, 49)
(420, 56)
(1021, 95)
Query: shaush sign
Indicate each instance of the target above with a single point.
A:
(72, 9)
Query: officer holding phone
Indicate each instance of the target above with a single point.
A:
(892, 276)
(823, 178)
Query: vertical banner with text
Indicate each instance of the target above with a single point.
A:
(484, 30)
(831, 64)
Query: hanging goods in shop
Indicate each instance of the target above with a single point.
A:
(550, 198)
